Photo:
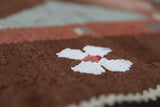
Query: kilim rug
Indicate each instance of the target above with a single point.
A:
(66, 54)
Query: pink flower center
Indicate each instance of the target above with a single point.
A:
(92, 58)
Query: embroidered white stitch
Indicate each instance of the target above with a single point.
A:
(92, 60)
(83, 30)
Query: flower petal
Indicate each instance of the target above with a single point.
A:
(72, 54)
(88, 67)
(95, 50)
(116, 65)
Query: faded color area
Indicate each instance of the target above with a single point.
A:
(60, 13)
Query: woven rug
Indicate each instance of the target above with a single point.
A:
(78, 54)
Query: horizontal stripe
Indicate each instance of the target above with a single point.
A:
(68, 32)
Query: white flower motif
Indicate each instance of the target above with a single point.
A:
(92, 60)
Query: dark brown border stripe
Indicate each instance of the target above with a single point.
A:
(8, 7)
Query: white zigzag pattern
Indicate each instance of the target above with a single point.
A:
(111, 99)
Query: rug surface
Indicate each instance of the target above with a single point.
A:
(66, 54)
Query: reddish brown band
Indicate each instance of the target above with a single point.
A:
(67, 32)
